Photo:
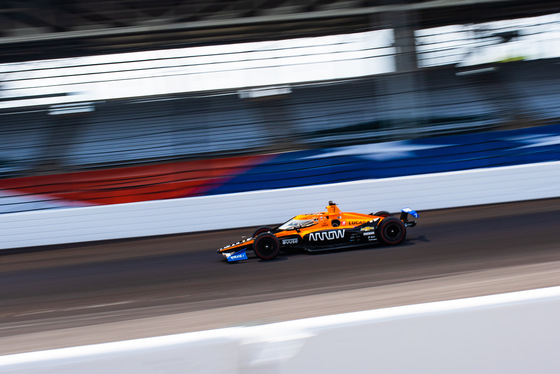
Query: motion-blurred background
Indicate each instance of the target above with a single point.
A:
(106, 102)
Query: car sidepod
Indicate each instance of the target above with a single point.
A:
(332, 239)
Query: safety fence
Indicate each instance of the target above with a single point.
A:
(514, 333)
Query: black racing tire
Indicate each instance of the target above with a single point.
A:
(391, 231)
(382, 213)
(260, 230)
(266, 246)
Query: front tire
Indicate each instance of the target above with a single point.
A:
(266, 246)
(391, 231)
(260, 230)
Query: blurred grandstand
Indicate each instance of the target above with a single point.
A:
(91, 85)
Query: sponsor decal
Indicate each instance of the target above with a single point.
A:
(327, 235)
(289, 241)
(356, 222)
(369, 233)
(367, 228)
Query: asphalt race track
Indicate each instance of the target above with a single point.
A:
(99, 292)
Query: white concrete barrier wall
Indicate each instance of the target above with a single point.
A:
(430, 191)
(184, 353)
(508, 333)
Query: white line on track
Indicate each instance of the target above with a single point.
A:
(76, 308)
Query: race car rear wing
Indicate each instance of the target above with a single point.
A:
(404, 216)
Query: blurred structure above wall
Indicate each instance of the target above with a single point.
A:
(227, 123)
(161, 85)
(37, 29)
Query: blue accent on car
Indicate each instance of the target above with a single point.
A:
(412, 212)
(238, 256)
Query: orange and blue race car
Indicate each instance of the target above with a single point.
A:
(323, 231)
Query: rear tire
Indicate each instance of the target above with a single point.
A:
(382, 213)
(266, 246)
(391, 231)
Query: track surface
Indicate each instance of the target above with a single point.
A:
(450, 254)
